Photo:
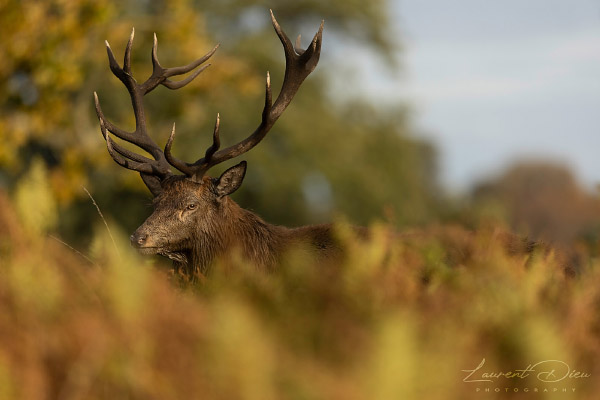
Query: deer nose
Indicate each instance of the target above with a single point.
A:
(138, 239)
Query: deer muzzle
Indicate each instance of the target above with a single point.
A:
(138, 239)
(143, 243)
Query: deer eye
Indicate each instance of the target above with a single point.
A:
(192, 206)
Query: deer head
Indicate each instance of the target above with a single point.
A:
(192, 209)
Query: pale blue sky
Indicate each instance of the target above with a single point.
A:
(496, 81)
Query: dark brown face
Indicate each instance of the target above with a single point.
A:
(184, 211)
(178, 209)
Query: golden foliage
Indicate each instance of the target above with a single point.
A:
(403, 317)
(35, 204)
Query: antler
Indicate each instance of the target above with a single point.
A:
(298, 65)
(153, 171)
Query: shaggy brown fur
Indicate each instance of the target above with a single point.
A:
(195, 223)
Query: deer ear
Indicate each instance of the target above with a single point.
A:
(231, 179)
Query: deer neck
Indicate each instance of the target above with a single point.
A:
(237, 230)
(256, 239)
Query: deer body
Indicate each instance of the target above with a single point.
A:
(194, 220)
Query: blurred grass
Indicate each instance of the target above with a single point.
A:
(401, 318)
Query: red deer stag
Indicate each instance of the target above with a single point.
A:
(194, 220)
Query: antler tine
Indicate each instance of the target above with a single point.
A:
(160, 75)
(299, 64)
(268, 97)
(187, 68)
(179, 84)
(127, 58)
(112, 62)
(191, 169)
(216, 140)
(141, 140)
(155, 63)
(311, 55)
(125, 162)
(285, 40)
(110, 126)
(117, 156)
(205, 163)
(128, 153)
(177, 163)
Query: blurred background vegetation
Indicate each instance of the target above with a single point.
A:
(73, 324)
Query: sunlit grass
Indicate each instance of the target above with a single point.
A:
(400, 318)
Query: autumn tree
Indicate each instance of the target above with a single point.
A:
(543, 200)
